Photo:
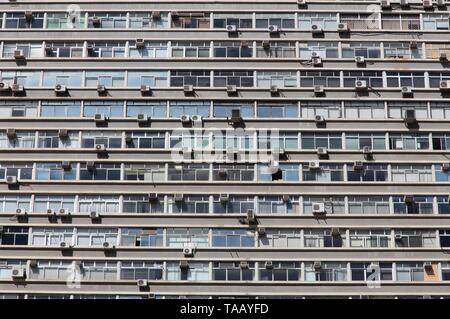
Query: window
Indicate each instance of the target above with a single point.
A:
(107, 108)
(106, 78)
(238, 78)
(435, 21)
(277, 205)
(360, 20)
(149, 108)
(402, 50)
(51, 236)
(54, 202)
(17, 20)
(323, 238)
(151, 49)
(415, 238)
(321, 49)
(324, 78)
(444, 238)
(410, 271)
(285, 172)
(399, 79)
(109, 139)
(149, 270)
(440, 141)
(277, 140)
(60, 109)
(110, 49)
(228, 49)
(419, 205)
(100, 204)
(222, 109)
(411, 173)
(329, 271)
(436, 78)
(107, 20)
(408, 141)
(315, 140)
(15, 236)
(232, 271)
(357, 141)
(29, 50)
(232, 238)
(141, 204)
(51, 139)
(373, 78)
(195, 78)
(235, 204)
(67, 78)
(190, 204)
(440, 110)
(188, 172)
(236, 140)
(277, 110)
(152, 79)
(282, 79)
(99, 270)
(445, 266)
(281, 238)
(25, 78)
(50, 270)
(55, 172)
(18, 109)
(139, 237)
(368, 205)
(100, 172)
(189, 139)
(144, 172)
(190, 49)
(369, 173)
(195, 271)
(221, 20)
(280, 271)
(361, 238)
(370, 50)
(233, 172)
(96, 236)
(327, 109)
(398, 109)
(364, 110)
(333, 204)
(187, 237)
(281, 20)
(22, 171)
(366, 271)
(145, 139)
(443, 204)
(179, 108)
(324, 20)
(434, 50)
(139, 20)
(59, 20)
(9, 203)
(441, 175)
(186, 20)
(400, 22)
(23, 139)
(276, 49)
(6, 266)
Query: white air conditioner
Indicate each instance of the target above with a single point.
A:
(316, 61)
(11, 180)
(101, 89)
(406, 90)
(358, 165)
(444, 85)
(319, 89)
(64, 245)
(268, 265)
(18, 54)
(301, 2)
(360, 59)
(361, 85)
(140, 43)
(188, 88)
(385, 4)
(224, 198)
(60, 89)
(313, 165)
(197, 119)
(343, 27)
(322, 151)
(316, 29)
(100, 118)
(17, 89)
(273, 89)
(143, 118)
(145, 89)
(94, 215)
(319, 119)
(318, 208)
(17, 272)
(243, 265)
(178, 197)
(108, 245)
(50, 212)
(231, 28)
(185, 119)
(317, 265)
(142, 283)
(4, 87)
(20, 212)
(273, 29)
(367, 150)
(231, 89)
(188, 252)
(100, 148)
(445, 167)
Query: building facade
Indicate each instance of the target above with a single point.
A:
(207, 149)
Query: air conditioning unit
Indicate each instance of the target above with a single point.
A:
(33, 263)
(90, 166)
(335, 232)
(444, 85)
(410, 116)
(60, 89)
(185, 119)
(100, 148)
(188, 252)
(63, 212)
(266, 44)
(224, 198)
(441, 3)
(244, 44)
(358, 165)
(406, 90)
(18, 54)
(142, 283)
(286, 198)
(278, 152)
(96, 20)
(28, 16)
(261, 231)
(314, 165)
(243, 265)
(50, 212)
(94, 215)
(188, 89)
(187, 153)
(184, 264)
(322, 151)
(17, 272)
(360, 59)
(443, 57)
(385, 4)
(316, 29)
(236, 116)
(156, 15)
(301, 2)
(408, 199)
(231, 89)
(11, 133)
(317, 265)
(145, 89)
(361, 85)
(273, 89)
(273, 29)
(445, 167)
(63, 133)
(101, 89)
(367, 150)
(64, 245)
(174, 15)
(108, 245)
(5, 87)
(143, 118)
(404, 3)
(178, 198)
(319, 119)
(231, 28)
(428, 265)
(427, 4)
(318, 208)
(316, 61)
(20, 212)
(268, 265)
(152, 197)
(319, 89)
(100, 118)
(413, 45)
(17, 89)
(11, 180)
(343, 27)
(197, 119)
(66, 165)
(251, 216)
(140, 43)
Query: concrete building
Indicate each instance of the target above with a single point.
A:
(206, 149)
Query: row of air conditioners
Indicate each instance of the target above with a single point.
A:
(186, 119)
(13, 88)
